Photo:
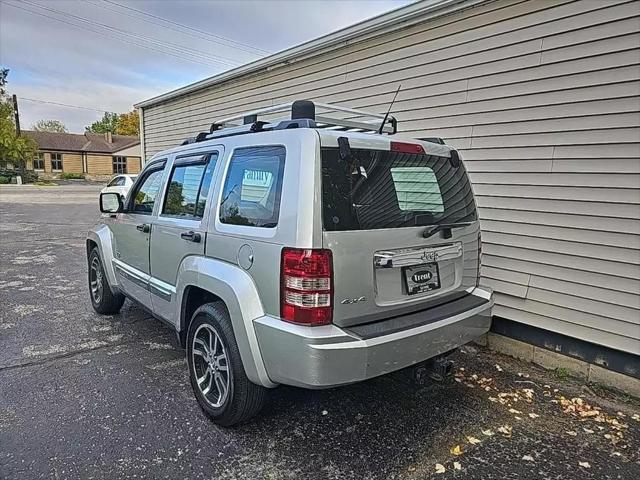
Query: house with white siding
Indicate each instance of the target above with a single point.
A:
(542, 100)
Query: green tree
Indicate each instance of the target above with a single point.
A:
(108, 123)
(128, 124)
(49, 126)
(14, 149)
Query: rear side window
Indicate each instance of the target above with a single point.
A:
(253, 187)
(188, 187)
(391, 190)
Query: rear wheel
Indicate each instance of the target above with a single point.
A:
(216, 372)
(103, 299)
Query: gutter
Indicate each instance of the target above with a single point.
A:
(410, 14)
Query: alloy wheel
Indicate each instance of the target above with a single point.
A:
(210, 364)
(96, 280)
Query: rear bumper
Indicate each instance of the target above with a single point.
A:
(328, 356)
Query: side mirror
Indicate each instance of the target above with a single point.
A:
(111, 202)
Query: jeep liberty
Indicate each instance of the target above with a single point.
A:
(314, 250)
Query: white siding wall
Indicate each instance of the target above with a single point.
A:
(543, 100)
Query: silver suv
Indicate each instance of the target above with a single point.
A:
(310, 251)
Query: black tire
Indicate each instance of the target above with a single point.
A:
(244, 399)
(103, 299)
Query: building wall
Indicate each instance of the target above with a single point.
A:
(542, 98)
(103, 164)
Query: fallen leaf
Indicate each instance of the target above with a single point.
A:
(534, 415)
(587, 430)
(636, 417)
(324, 412)
(528, 458)
(584, 464)
(573, 434)
(440, 468)
(616, 454)
(506, 430)
(411, 468)
(498, 367)
(513, 410)
(457, 466)
(517, 417)
(473, 440)
(488, 432)
(456, 450)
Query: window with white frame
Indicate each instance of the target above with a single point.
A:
(38, 161)
(56, 162)
(119, 164)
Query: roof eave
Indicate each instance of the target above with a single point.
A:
(375, 24)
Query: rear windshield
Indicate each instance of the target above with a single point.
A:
(384, 189)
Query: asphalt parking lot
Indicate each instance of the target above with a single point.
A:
(89, 396)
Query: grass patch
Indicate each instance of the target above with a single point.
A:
(562, 373)
(72, 176)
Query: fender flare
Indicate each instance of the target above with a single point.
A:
(235, 287)
(101, 236)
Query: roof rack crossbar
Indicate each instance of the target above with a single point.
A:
(370, 122)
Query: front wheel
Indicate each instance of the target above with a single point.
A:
(103, 299)
(216, 372)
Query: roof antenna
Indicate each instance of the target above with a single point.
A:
(384, 120)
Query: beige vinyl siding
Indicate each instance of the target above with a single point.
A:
(543, 100)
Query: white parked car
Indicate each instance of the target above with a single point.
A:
(120, 184)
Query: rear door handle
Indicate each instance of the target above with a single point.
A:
(191, 236)
(144, 227)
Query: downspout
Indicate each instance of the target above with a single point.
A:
(143, 157)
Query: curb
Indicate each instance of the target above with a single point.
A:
(553, 360)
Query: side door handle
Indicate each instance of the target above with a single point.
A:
(191, 236)
(144, 227)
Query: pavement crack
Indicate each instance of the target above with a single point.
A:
(66, 355)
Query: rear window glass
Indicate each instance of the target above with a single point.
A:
(384, 189)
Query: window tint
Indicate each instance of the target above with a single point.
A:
(253, 186)
(189, 186)
(391, 190)
(147, 192)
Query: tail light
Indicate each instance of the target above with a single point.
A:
(479, 258)
(306, 286)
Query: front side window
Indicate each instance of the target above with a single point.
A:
(38, 161)
(146, 192)
(119, 164)
(56, 161)
(188, 187)
(253, 187)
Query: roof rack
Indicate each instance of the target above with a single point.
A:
(302, 115)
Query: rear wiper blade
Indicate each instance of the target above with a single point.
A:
(446, 227)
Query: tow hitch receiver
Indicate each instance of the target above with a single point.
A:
(436, 369)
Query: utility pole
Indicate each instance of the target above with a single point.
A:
(16, 114)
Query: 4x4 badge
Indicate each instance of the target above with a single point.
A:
(349, 301)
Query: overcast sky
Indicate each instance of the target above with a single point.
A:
(106, 55)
